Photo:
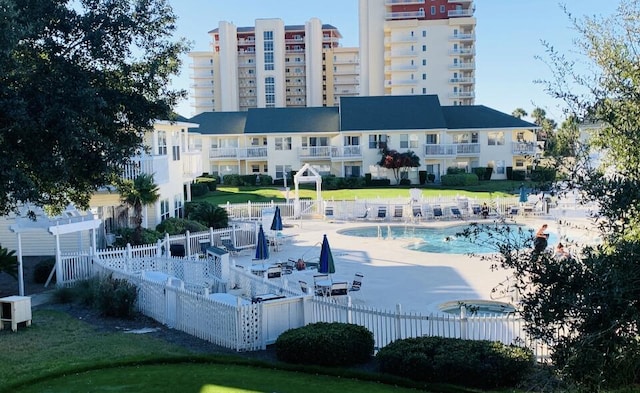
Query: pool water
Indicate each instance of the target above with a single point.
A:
(477, 307)
(441, 240)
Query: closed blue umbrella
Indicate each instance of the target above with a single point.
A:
(262, 247)
(326, 265)
(523, 195)
(276, 225)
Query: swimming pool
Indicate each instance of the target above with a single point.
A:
(441, 240)
(477, 307)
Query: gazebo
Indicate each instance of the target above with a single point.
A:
(302, 176)
(70, 221)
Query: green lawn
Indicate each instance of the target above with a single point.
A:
(484, 190)
(59, 353)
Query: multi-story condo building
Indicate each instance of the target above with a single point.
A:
(271, 65)
(174, 167)
(418, 47)
(346, 141)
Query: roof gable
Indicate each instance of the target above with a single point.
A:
(214, 123)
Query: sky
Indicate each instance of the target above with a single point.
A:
(509, 37)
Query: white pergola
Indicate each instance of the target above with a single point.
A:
(301, 176)
(70, 221)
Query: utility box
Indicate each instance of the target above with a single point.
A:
(15, 310)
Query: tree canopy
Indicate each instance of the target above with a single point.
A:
(80, 83)
(397, 161)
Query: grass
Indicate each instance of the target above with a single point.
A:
(485, 190)
(59, 353)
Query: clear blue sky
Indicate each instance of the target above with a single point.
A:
(508, 35)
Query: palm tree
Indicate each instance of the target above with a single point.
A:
(139, 193)
(8, 262)
(519, 113)
(210, 215)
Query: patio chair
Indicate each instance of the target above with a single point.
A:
(304, 287)
(328, 212)
(357, 282)
(437, 212)
(365, 215)
(274, 272)
(339, 289)
(476, 209)
(397, 211)
(382, 212)
(319, 284)
(455, 212)
(416, 210)
(228, 245)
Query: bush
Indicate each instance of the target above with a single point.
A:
(454, 170)
(126, 236)
(116, 297)
(380, 182)
(42, 270)
(208, 214)
(405, 182)
(431, 177)
(326, 344)
(509, 173)
(199, 189)
(519, 175)
(543, 175)
(210, 182)
(478, 364)
(466, 179)
(422, 176)
(479, 171)
(178, 226)
(488, 172)
(367, 179)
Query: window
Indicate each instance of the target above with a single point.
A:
(378, 141)
(433, 10)
(352, 170)
(432, 139)
(500, 167)
(268, 50)
(424, 33)
(315, 141)
(496, 138)
(178, 206)
(520, 136)
(175, 146)
(424, 48)
(258, 141)
(424, 62)
(255, 168)
(413, 141)
(162, 143)
(281, 170)
(442, 10)
(424, 77)
(404, 141)
(351, 140)
(270, 91)
(519, 163)
(283, 143)
(164, 209)
(424, 90)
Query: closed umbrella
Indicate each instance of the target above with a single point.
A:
(326, 265)
(276, 224)
(523, 195)
(262, 247)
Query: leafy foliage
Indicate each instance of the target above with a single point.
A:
(208, 214)
(80, 83)
(8, 262)
(397, 162)
(178, 226)
(140, 192)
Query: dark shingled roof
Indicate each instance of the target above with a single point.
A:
(480, 116)
(302, 120)
(214, 123)
(391, 113)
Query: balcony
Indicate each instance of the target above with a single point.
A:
(405, 15)
(452, 150)
(191, 165)
(400, 53)
(158, 166)
(469, 65)
(462, 52)
(400, 39)
(314, 153)
(253, 153)
(468, 2)
(223, 153)
(401, 68)
(462, 94)
(462, 37)
(524, 148)
(460, 13)
(463, 80)
(340, 153)
(403, 2)
(400, 82)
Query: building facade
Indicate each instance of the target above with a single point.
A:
(271, 65)
(418, 47)
(346, 141)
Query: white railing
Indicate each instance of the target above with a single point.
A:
(314, 152)
(158, 166)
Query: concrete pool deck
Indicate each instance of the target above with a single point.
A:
(394, 275)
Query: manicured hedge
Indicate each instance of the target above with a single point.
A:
(326, 344)
(466, 179)
(478, 364)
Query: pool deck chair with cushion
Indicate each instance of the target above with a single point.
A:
(304, 287)
(398, 211)
(382, 212)
(227, 244)
(437, 212)
(339, 288)
(328, 212)
(274, 272)
(365, 215)
(455, 212)
(357, 282)
(476, 209)
(417, 211)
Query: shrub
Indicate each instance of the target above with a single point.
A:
(478, 364)
(431, 177)
(543, 174)
(326, 344)
(42, 270)
(466, 179)
(126, 236)
(422, 177)
(178, 226)
(209, 215)
(199, 189)
(64, 295)
(509, 173)
(488, 172)
(209, 181)
(454, 170)
(519, 175)
(367, 179)
(405, 182)
(116, 297)
(380, 182)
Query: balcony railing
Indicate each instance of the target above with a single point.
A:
(224, 152)
(403, 2)
(460, 13)
(452, 149)
(252, 152)
(158, 166)
(463, 37)
(522, 148)
(405, 15)
(352, 152)
(315, 152)
(471, 65)
(191, 165)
